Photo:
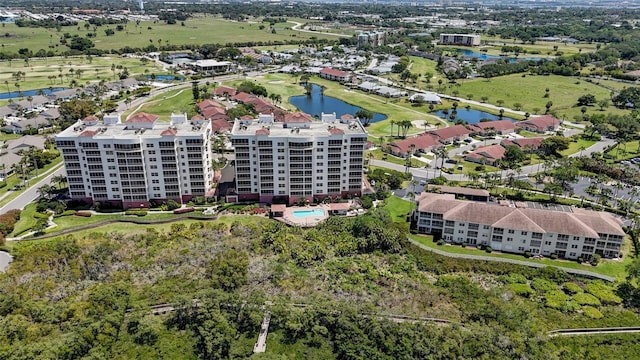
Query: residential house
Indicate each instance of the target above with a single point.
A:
(424, 142)
(540, 124)
(525, 144)
(451, 134)
(335, 75)
(224, 91)
(501, 127)
(486, 154)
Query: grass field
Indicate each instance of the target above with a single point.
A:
(545, 48)
(379, 155)
(529, 91)
(577, 146)
(64, 69)
(217, 30)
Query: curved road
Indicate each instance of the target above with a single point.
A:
(297, 25)
(511, 261)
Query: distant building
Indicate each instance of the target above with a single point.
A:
(297, 159)
(335, 75)
(460, 39)
(540, 124)
(211, 66)
(373, 39)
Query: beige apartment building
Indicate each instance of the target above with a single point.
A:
(517, 228)
(139, 161)
(298, 159)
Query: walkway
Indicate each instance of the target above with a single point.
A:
(261, 344)
(297, 25)
(585, 273)
(594, 331)
(5, 260)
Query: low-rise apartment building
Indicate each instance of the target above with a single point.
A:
(137, 162)
(289, 161)
(578, 233)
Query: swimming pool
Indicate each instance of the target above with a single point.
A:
(308, 213)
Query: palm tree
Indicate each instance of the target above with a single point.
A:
(392, 123)
(44, 192)
(59, 180)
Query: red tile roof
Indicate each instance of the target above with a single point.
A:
(243, 97)
(297, 117)
(220, 125)
(246, 117)
(451, 132)
(334, 72)
(169, 132)
(347, 117)
(263, 132)
(498, 125)
(88, 133)
(339, 206)
(197, 117)
(491, 153)
(336, 131)
(221, 90)
(206, 104)
(523, 143)
(540, 122)
(90, 118)
(143, 118)
(422, 142)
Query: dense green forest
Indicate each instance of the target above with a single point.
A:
(330, 291)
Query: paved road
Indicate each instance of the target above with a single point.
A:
(511, 261)
(31, 193)
(5, 259)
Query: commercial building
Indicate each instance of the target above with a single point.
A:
(517, 227)
(285, 162)
(373, 39)
(212, 66)
(137, 162)
(460, 39)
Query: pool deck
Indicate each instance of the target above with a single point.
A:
(309, 221)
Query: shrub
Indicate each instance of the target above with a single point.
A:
(136, 212)
(3, 184)
(571, 288)
(595, 259)
(66, 213)
(553, 256)
(543, 285)
(440, 242)
(488, 249)
(586, 299)
(83, 213)
(183, 211)
(603, 293)
(580, 260)
(527, 254)
(464, 245)
(555, 299)
(570, 306)
(172, 204)
(592, 312)
(522, 289)
(513, 278)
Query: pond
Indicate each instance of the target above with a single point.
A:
(484, 56)
(164, 77)
(316, 104)
(470, 116)
(25, 93)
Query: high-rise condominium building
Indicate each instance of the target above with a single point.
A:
(460, 39)
(137, 162)
(298, 159)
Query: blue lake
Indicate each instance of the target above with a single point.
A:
(470, 116)
(483, 56)
(165, 77)
(15, 94)
(316, 104)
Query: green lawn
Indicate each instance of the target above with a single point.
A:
(545, 48)
(13, 180)
(529, 91)
(284, 85)
(607, 267)
(26, 222)
(379, 155)
(38, 72)
(177, 101)
(398, 208)
(217, 30)
(577, 146)
(627, 151)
